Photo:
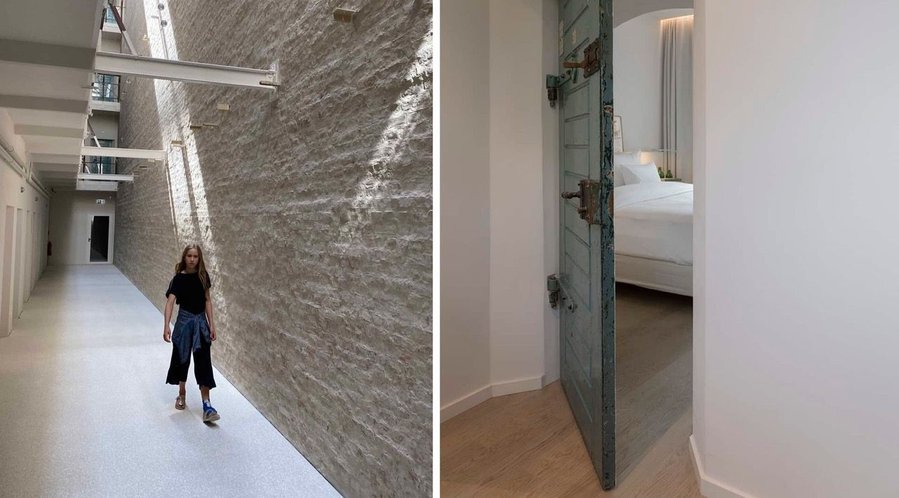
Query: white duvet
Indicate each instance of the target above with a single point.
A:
(655, 220)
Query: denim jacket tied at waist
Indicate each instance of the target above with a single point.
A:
(189, 328)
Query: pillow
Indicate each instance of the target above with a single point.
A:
(622, 158)
(640, 173)
(627, 157)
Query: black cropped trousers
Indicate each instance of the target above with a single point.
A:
(202, 367)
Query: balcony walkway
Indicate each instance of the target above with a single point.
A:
(84, 410)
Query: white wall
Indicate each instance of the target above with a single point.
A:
(797, 342)
(551, 192)
(499, 191)
(637, 64)
(517, 288)
(27, 253)
(700, 309)
(105, 125)
(13, 143)
(465, 202)
(70, 225)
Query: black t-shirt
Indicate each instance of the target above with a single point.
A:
(188, 291)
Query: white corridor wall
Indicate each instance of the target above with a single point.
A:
(796, 337)
(23, 240)
(70, 225)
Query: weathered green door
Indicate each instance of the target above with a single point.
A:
(587, 266)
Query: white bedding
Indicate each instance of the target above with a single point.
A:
(654, 220)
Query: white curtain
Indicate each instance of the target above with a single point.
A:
(677, 96)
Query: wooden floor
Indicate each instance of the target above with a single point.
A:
(528, 444)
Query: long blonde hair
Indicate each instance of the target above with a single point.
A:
(201, 266)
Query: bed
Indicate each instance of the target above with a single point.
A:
(654, 235)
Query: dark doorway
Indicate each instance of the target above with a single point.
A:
(99, 239)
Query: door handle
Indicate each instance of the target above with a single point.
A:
(581, 210)
(588, 192)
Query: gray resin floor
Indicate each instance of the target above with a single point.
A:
(84, 410)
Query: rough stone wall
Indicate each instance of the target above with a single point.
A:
(313, 206)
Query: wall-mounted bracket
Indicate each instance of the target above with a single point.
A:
(345, 15)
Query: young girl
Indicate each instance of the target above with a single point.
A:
(194, 328)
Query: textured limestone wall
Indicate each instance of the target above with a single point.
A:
(313, 205)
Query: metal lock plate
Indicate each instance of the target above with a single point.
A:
(592, 55)
(588, 193)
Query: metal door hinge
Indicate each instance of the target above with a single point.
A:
(553, 84)
(588, 193)
(553, 287)
(552, 91)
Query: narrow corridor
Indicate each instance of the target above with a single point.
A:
(84, 410)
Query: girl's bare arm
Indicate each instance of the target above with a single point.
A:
(169, 306)
(209, 315)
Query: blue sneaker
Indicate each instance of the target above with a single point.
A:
(209, 413)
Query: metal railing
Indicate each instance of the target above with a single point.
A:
(98, 165)
(106, 88)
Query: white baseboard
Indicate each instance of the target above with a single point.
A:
(481, 395)
(466, 402)
(517, 386)
(709, 487)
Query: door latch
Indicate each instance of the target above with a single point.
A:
(557, 293)
(588, 193)
(591, 62)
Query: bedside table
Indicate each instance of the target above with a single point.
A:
(671, 180)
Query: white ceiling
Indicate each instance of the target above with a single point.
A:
(44, 81)
(47, 118)
(53, 145)
(73, 23)
(47, 103)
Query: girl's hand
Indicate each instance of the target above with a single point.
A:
(212, 332)
(166, 334)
